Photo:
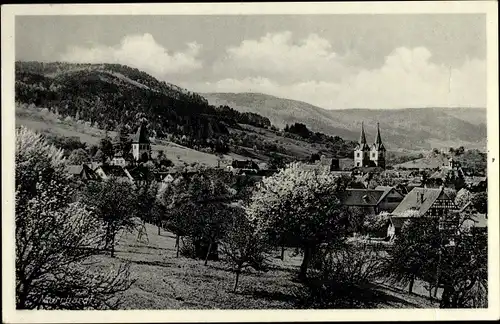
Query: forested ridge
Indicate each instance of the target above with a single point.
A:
(112, 95)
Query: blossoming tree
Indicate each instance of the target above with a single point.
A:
(303, 204)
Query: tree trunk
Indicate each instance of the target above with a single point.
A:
(208, 252)
(113, 245)
(410, 289)
(238, 272)
(159, 226)
(107, 240)
(436, 291)
(305, 262)
(177, 245)
(282, 253)
(445, 298)
(22, 297)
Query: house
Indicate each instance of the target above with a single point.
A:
(107, 171)
(421, 202)
(476, 184)
(476, 224)
(243, 167)
(248, 164)
(83, 172)
(140, 175)
(446, 174)
(119, 160)
(395, 225)
(416, 182)
(381, 199)
(433, 202)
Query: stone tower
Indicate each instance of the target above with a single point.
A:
(362, 151)
(377, 154)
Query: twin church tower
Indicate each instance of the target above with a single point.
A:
(366, 156)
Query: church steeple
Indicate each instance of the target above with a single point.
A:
(378, 140)
(377, 154)
(362, 136)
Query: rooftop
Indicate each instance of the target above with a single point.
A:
(364, 197)
(420, 200)
(141, 136)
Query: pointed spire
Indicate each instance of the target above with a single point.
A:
(378, 140)
(362, 137)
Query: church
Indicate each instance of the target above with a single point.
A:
(366, 156)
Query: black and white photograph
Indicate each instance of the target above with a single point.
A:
(322, 158)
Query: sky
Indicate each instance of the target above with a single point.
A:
(332, 61)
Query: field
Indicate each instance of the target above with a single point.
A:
(167, 282)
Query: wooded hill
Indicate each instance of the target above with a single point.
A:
(110, 95)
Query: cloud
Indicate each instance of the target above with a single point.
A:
(309, 70)
(142, 52)
(282, 59)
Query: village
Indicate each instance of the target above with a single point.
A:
(416, 190)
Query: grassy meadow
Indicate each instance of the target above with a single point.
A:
(164, 281)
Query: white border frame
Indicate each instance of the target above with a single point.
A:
(10, 315)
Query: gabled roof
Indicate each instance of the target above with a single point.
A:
(420, 200)
(480, 221)
(141, 136)
(74, 169)
(362, 197)
(114, 170)
(477, 221)
(466, 206)
(138, 173)
(387, 190)
(445, 171)
(474, 181)
(82, 170)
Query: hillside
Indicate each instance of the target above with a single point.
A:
(46, 122)
(109, 96)
(412, 128)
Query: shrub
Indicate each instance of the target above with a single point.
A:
(344, 278)
(375, 225)
(188, 249)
